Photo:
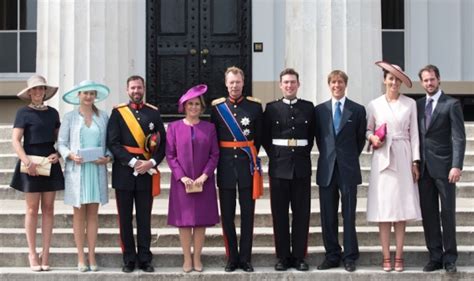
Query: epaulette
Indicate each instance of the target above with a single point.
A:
(254, 99)
(152, 106)
(217, 101)
(121, 105)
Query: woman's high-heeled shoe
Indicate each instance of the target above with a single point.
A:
(398, 265)
(94, 267)
(32, 260)
(44, 267)
(387, 265)
(82, 267)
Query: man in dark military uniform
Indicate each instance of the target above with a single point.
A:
(136, 137)
(288, 140)
(238, 121)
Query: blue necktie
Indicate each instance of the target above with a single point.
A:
(428, 111)
(337, 117)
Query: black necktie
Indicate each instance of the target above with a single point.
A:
(428, 111)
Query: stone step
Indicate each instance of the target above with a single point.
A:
(12, 214)
(463, 190)
(467, 175)
(363, 273)
(263, 237)
(414, 256)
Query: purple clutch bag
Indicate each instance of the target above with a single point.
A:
(381, 132)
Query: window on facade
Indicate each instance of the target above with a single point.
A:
(393, 31)
(17, 36)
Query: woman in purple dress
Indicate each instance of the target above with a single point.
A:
(192, 154)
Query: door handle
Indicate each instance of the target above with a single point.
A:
(192, 52)
(205, 51)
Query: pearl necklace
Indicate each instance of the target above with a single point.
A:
(38, 106)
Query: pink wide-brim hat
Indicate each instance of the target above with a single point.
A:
(192, 93)
(396, 71)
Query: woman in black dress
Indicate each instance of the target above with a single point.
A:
(37, 124)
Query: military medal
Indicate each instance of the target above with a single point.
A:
(245, 121)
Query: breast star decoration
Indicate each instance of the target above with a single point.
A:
(245, 121)
(151, 126)
(246, 132)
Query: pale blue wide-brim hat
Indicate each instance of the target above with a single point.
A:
(102, 91)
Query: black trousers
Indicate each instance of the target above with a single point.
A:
(143, 205)
(297, 194)
(227, 199)
(329, 204)
(431, 192)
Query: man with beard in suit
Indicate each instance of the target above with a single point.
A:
(442, 146)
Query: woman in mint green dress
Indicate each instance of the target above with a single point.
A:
(81, 143)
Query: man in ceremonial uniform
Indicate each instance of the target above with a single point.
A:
(340, 135)
(238, 121)
(136, 137)
(288, 140)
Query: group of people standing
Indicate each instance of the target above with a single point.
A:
(418, 151)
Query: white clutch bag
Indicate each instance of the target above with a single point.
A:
(43, 166)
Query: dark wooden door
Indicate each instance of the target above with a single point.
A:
(190, 42)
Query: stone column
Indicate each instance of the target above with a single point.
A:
(85, 39)
(323, 35)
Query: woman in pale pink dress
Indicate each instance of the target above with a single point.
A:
(393, 191)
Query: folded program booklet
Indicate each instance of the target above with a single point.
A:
(91, 153)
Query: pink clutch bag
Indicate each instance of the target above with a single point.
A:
(381, 132)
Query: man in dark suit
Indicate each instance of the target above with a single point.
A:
(288, 140)
(128, 126)
(442, 145)
(340, 137)
(236, 169)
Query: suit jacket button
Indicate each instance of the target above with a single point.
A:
(235, 155)
(292, 150)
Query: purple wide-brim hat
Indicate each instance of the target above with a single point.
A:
(192, 93)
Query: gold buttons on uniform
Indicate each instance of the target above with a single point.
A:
(235, 106)
(292, 150)
(293, 128)
(292, 117)
(138, 118)
(306, 121)
(235, 155)
(235, 114)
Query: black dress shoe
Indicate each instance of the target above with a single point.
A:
(327, 265)
(281, 265)
(301, 265)
(350, 266)
(450, 267)
(432, 266)
(129, 267)
(231, 266)
(246, 266)
(147, 267)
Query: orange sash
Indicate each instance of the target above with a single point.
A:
(257, 190)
